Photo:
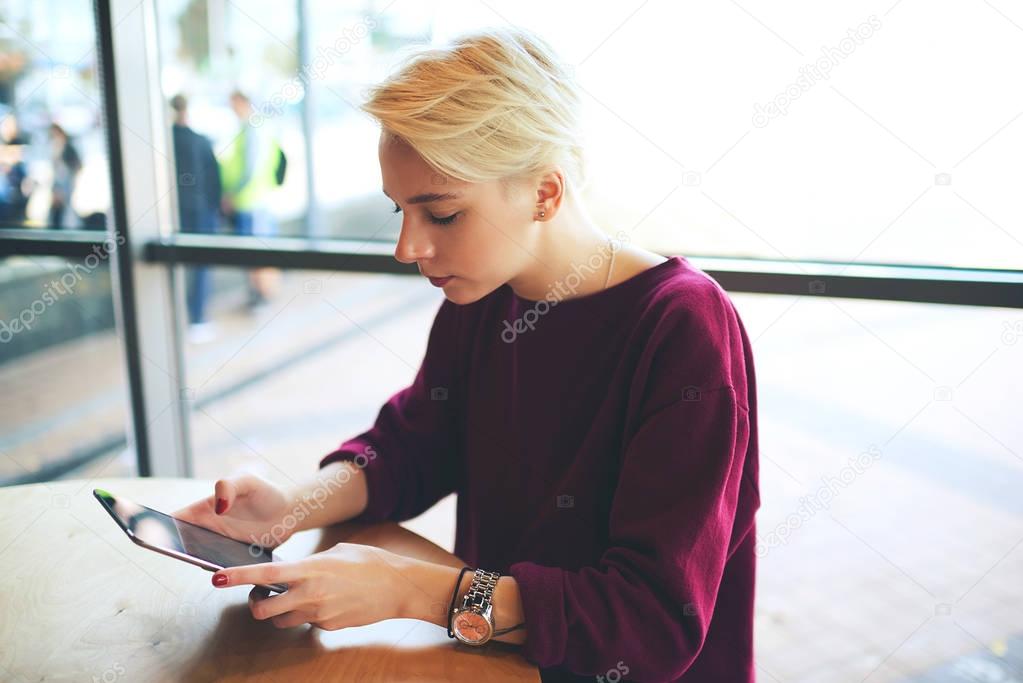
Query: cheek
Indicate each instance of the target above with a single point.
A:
(494, 234)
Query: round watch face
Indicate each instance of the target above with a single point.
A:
(471, 627)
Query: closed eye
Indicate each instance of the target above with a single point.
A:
(437, 220)
(445, 220)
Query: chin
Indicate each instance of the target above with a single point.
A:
(462, 295)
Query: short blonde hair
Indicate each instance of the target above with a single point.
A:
(495, 104)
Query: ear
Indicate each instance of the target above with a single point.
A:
(550, 194)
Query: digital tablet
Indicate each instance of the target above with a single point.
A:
(183, 540)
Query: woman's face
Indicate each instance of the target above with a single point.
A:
(476, 233)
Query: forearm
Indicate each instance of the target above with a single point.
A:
(336, 493)
(429, 596)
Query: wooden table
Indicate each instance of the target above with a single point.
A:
(79, 601)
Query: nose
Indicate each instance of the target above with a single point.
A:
(413, 244)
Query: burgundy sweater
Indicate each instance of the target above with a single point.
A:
(604, 452)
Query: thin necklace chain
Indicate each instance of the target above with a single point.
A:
(612, 264)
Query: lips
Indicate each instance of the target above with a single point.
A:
(439, 281)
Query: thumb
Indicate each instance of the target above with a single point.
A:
(225, 491)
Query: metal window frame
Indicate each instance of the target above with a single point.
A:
(145, 264)
(143, 201)
(878, 281)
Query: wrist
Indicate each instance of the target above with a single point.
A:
(337, 493)
(424, 590)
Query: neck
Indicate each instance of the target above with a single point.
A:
(571, 257)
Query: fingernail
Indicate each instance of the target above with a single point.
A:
(220, 579)
(221, 505)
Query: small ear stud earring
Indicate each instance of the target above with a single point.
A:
(542, 214)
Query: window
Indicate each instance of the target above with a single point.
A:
(53, 158)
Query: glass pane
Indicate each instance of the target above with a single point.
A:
(275, 387)
(891, 463)
(239, 119)
(890, 484)
(53, 156)
(64, 400)
(353, 45)
(778, 132)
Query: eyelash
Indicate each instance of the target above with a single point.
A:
(446, 220)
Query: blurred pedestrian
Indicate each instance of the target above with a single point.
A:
(15, 185)
(199, 193)
(249, 172)
(66, 164)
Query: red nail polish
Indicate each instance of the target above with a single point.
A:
(220, 579)
(221, 505)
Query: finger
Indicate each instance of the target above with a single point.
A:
(186, 513)
(224, 491)
(258, 593)
(289, 619)
(196, 511)
(231, 489)
(273, 606)
(262, 573)
(331, 624)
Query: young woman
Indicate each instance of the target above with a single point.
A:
(591, 403)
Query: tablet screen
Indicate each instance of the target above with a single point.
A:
(158, 529)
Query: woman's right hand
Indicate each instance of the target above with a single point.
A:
(246, 508)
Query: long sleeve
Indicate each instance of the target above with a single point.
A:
(410, 455)
(674, 522)
(211, 175)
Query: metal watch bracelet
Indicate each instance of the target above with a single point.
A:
(481, 589)
(480, 596)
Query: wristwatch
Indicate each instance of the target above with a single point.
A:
(473, 622)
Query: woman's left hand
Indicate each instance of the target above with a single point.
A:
(348, 585)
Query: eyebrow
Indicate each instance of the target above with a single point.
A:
(428, 197)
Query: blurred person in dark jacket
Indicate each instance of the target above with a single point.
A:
(66, 165)
(198, 184)
(15, 185)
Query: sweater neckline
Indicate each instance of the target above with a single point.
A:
(625, 286)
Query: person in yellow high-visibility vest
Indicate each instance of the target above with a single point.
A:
(248, 168)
